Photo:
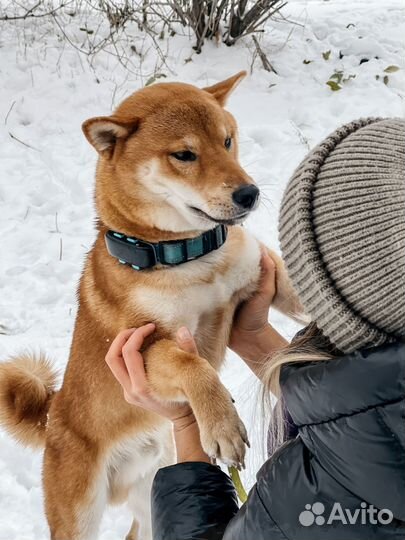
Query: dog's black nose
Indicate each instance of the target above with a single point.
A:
(246, 197)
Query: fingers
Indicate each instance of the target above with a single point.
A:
(117, 344)
(119, 370)
(267, 284)
(186, 341)
(124, 358)
(136, 339)
(266, 262)
(133, 358)
(115, 360)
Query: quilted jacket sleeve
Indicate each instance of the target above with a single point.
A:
(192, 501)
(197, 501)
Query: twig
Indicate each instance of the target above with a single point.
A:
(301, 136)
(8, 113)
(22, 142)
(265, 61)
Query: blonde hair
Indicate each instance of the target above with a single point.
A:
(310, 346)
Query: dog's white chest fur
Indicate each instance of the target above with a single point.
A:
(202, 286)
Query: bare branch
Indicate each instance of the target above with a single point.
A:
(31, 13)
(265, 61)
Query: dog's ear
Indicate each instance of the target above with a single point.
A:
(222, 90)
(103, 132)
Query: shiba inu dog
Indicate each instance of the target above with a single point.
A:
(170, 196)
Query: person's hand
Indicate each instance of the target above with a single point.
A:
(127, 365)
(250, 325)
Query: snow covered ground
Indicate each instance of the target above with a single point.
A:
(46, 216)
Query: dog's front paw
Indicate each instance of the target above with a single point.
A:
(226, 438)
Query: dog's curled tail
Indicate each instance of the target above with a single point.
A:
(27, 386)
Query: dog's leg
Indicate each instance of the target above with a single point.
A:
(139, 496)
(140, 504)
(176, 375)
(134, 531)
(147, 464)
(75, 484)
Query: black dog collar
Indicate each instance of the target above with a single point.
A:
(140, 254)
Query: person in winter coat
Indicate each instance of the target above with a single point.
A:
(339, 473)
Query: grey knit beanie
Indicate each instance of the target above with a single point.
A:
(342, 233)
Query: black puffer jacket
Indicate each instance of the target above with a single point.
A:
(347, 464)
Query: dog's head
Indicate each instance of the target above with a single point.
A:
(169, 160)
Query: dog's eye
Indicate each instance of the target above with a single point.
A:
(228, 143)
(184, 156)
